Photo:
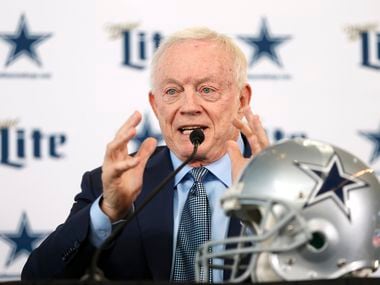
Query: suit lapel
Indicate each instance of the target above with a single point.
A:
(247, 149)
(156, 220)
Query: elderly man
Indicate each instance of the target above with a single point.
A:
(198, 81)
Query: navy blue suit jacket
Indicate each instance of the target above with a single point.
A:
(144, 249)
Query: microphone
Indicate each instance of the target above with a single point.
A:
(94, 273)
(197, 137)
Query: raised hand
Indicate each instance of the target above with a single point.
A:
(256, 136)
(122, 174)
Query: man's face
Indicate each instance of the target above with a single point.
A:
(194, 86)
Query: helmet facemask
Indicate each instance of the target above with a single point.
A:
(267, 227)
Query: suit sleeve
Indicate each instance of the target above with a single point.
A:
(66, 252)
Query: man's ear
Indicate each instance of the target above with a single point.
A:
(245, 97)
(152, 101)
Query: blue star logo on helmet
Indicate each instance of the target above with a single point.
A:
(332, 182)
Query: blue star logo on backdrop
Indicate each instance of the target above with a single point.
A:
(374, 137)
(145, 132)
(23, 42)
(332, 182)
(23, 241)
(265, 45)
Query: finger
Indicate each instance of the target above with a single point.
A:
(119, 145)
(145, 151)
(251, 119)
(243, 128)
(247, 132)
(233, 151)
(119, 167)
(260, 133)
(254, 144)
(253, 131)
(132, 122)
(254, 123)
(237, 160)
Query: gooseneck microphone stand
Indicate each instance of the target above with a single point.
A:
(94, 273)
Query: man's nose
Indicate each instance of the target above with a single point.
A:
(191, 102)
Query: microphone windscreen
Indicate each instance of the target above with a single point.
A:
(197, 136)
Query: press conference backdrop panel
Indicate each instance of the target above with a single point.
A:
(71, 72)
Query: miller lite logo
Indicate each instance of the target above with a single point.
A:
(18, 145)
(368, 37)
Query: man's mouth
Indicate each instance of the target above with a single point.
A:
(186, 130)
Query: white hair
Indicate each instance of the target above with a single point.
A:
(202, 33)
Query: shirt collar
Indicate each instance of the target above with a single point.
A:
(220, 168)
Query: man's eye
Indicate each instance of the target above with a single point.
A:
(171, 91)
(207, 90)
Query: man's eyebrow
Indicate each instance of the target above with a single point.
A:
(197, 81)
(209, 78)
(170, 80)
(213, 79)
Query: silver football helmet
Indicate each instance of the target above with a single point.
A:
(309, 210)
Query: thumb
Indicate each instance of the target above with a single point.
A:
(237, 160)
(146, 150)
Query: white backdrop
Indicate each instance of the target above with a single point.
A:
(72, 71)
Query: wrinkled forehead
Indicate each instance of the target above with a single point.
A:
(192, 57)
(195, 48)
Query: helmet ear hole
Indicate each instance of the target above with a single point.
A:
(255, 215)
(250, 214)
(318, 241)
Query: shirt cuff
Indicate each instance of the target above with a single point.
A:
(100, 225)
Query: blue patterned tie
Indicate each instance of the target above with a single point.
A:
(194, 229)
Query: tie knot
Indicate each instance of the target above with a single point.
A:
(199, 173)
